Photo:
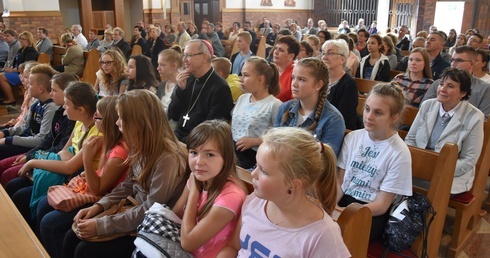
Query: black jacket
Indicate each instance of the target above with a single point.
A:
(61, 128)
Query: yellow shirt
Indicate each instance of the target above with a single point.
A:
(234, 83)
(79, 135)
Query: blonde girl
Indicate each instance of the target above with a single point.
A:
(291, 165)
(111, 171)
(211, 203)
(111, 77)
(374, 164)
(310, 108)
(169, 64)
(256, 109)
(156, 174)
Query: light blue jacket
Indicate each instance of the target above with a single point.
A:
(465, 129)
(330, 128)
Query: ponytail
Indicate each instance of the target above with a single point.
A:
(326, 184)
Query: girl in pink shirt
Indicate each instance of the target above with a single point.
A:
(288, 214)
(211, 203)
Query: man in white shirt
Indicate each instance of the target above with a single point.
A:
(78, 37)
(182, 36)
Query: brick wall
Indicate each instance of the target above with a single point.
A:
(30, 21)
(155, 16)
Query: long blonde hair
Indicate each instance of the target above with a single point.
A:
(147, 133)
(303, 157)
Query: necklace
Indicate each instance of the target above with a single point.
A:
(186, 117)
(284, 217)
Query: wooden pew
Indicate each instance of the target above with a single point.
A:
(261, 48)
(44, 58)
(405, 52)
(16, 237)
(91, 66)
(365, 86)
(394, 73)
(57, 53)
(407, 120)
(355, 226)
(361, 101)
(467, 205)
(228, 45)
(234, 48)
(136, 50)
(354, 221)
(438, 168)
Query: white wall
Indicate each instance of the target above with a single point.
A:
(134, 10)
(276, 4)
(70, 11)
(29, 5)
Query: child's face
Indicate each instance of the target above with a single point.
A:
(165, 68)
(72, 112)
(119, 121)
(205, 162)
(131, 70)
(98, 121)
(107, 64)
(304, 86)
(57, 94)
(35, 88)
(268, 178)
(25, 78)
(250, 81)
(377, 114)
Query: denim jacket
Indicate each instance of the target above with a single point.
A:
(330, 128)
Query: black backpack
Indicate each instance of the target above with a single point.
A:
(407, 221)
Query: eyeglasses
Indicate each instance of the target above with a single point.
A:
(459, 60)
(191, 55)
(105, 63)
(97, 117)
(330, 54)
(22, 39)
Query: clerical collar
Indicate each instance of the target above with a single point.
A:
(203, 78)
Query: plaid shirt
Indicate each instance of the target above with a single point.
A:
(414, 90)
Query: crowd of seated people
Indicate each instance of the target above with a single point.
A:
(183, 89)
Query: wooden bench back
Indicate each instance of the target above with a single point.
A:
(136, 50)
(234, 48)
(365, 86)
(228, 46)
(355, 226)
(44, 58)
(438, 168)
(91, 66)
(394, 73)
(261, 48)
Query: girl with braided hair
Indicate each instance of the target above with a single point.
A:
(310, 108)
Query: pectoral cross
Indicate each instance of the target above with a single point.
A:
(186, 118)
